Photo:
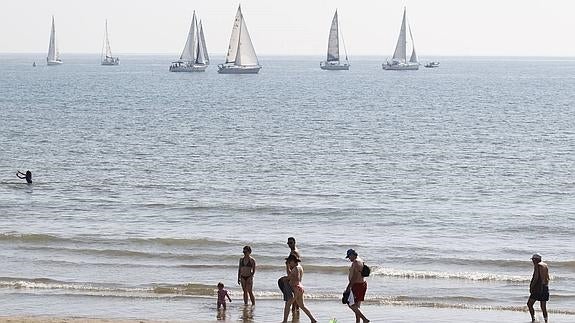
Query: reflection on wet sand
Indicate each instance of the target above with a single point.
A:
(247, 313)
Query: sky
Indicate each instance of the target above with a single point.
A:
(295, 27)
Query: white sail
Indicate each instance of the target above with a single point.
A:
(404, 45)
(107, 58)
(241, 57)
(202, 57)
(333, 41)
(246, 55)
(234, 38)
(413, 58)
(189, 52)
(400, 53)
(53, 53)
(108, 50)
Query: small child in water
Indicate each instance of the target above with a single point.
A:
(222, 294)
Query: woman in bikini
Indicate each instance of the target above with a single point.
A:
(295, 276)
(246, 271)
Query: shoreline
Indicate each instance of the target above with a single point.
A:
(271, 310)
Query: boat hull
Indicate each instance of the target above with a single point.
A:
(400, 67)
(334, 67)
(189, 69)
(233, 69)
(111, 62)
(53, 63)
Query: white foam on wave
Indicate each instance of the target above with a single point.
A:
(473, 276)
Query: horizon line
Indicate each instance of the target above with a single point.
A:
(309, 55)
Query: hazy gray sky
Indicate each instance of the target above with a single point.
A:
(294, 27)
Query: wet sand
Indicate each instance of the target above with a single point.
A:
(271, 311)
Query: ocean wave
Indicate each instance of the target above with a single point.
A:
(51, 284)
(31, 237)
(183, 242)
(473, 276)
(49, 238)
(112, 290)
(500, 263)
(445, 303)
(184, 289)
(199, 290)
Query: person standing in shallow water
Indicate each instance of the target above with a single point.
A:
(222, 294)
(357, 285)
(27, 176)
(246, 272)
(539, 287)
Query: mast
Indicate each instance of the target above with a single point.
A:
(238, 59)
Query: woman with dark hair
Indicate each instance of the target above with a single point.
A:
(246, 271)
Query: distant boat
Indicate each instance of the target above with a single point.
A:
(34, 64)
(107, 58)
(241, 57)
(194, 57)
(332, 62)
(399, 61)
(432, 64)
(53, 57)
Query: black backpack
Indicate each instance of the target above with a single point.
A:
(365, 271)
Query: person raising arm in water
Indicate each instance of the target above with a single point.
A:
(27, 176)
(246, 272)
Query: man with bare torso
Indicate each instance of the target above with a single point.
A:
(283, 281)
(357, 285)
(539, 287)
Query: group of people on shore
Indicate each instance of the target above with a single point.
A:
(292, 287)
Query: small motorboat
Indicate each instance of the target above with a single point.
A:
(432, 64)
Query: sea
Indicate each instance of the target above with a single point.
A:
(147, 184)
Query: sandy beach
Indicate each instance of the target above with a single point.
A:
(271, 310)
(50, 319)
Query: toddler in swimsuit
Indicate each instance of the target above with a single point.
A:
(222, 294)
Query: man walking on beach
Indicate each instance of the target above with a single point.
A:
(293, 248)
(357, 285)
(539, 286)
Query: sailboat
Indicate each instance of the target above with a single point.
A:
(332, 62)
(194, 57)
(399, 61)
(53, 57)
(107, 58)
(241, 57)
